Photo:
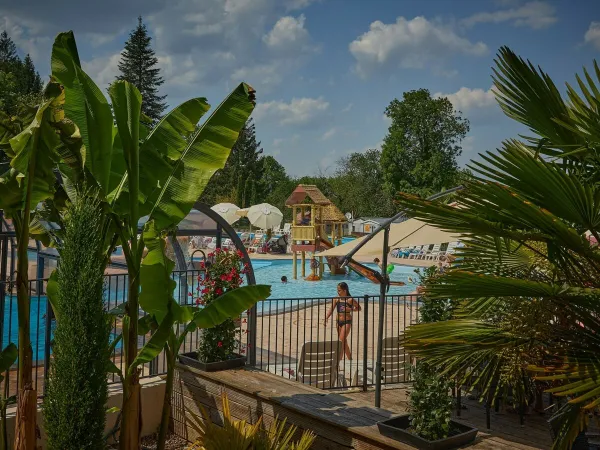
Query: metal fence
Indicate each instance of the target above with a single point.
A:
(43, 323)
(286, 337)
(294, 342)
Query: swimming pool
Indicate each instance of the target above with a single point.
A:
(271, 271)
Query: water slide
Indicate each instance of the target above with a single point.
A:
(359, 268)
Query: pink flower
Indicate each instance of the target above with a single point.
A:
(219, 344)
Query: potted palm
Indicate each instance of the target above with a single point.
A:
(219, 347)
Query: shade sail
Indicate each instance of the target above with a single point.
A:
(427, 234)
(374, 247)
(408, 233)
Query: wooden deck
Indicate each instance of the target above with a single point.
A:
(341, 420)
(506, 431)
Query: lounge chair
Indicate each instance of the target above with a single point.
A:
(393, 361)
(434, 253)
(416, 252)
(256, 243)
(319, 362)
(287, 228)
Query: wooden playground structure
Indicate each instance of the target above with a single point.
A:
(314, 220)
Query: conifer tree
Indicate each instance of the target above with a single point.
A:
(31, 82)
(8, 53)
(138, 65)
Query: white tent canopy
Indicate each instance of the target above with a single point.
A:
(405, 234)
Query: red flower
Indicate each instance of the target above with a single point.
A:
(217, 251)
(200, 302)
(224, 278)
(240, 254)
(190, 294)
(218, 291)
(242, 351)
(244, 321)
(211, 254)
(219, 344)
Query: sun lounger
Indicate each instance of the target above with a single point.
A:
(319, 362)
(393, 361)
(434, 253)
(256, 243)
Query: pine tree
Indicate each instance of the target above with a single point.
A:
(138, 66)
(8, 53)
(31, 83)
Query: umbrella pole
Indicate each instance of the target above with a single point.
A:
(382, 290)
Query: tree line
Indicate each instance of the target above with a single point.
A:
(419, 156)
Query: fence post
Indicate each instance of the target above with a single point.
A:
(47, 340)
(365, 341)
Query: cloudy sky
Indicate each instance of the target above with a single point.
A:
(324, 70)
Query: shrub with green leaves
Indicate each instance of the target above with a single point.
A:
(430, 402)
(74, 405)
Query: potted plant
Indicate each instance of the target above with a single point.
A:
(218, 349)
(429, 424)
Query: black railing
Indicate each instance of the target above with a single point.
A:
(43, 323)
(294, 342)
(290, 338)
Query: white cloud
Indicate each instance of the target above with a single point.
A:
(592, 35)
(299, 4)
(329, 134)
(348, 107)
(409, 44)
(535, 14)
(466, 98)
(263, 76)
(288, 35)
(299, 111)
(103, 70)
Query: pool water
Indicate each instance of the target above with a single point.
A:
(271, 271)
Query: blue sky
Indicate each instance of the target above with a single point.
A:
(324, 70)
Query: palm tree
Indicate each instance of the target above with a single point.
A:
(528, 279)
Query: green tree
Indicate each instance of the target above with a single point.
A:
(527, 282)
(75, 398)
(272, 174)
(8, 52)
(233, 182)
(138, 65)
(31, 82)
(358, 184)
(420, 150)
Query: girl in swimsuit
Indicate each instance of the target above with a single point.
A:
(345, 306)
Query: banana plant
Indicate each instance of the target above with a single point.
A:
(159, 173)
(156, 298)
(29, 181)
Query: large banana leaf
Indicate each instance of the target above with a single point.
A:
(162, 146)
(86, 106)
(205, 153)
(157, 286)
(33, 153)
(228, 305)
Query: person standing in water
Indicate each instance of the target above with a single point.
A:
(345, 306)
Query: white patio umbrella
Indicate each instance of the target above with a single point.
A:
(242, 212)
(265, 216)
(227, 211)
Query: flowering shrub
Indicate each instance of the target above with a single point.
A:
(222, 274)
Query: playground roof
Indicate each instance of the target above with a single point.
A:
(331, 213)
(307, 190)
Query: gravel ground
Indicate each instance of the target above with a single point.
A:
(173, 443)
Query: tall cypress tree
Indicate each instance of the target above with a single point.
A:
(138, 66)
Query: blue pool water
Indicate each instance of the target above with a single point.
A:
(271, 271)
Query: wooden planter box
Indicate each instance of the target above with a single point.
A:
(191, 359)
(397, 428)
